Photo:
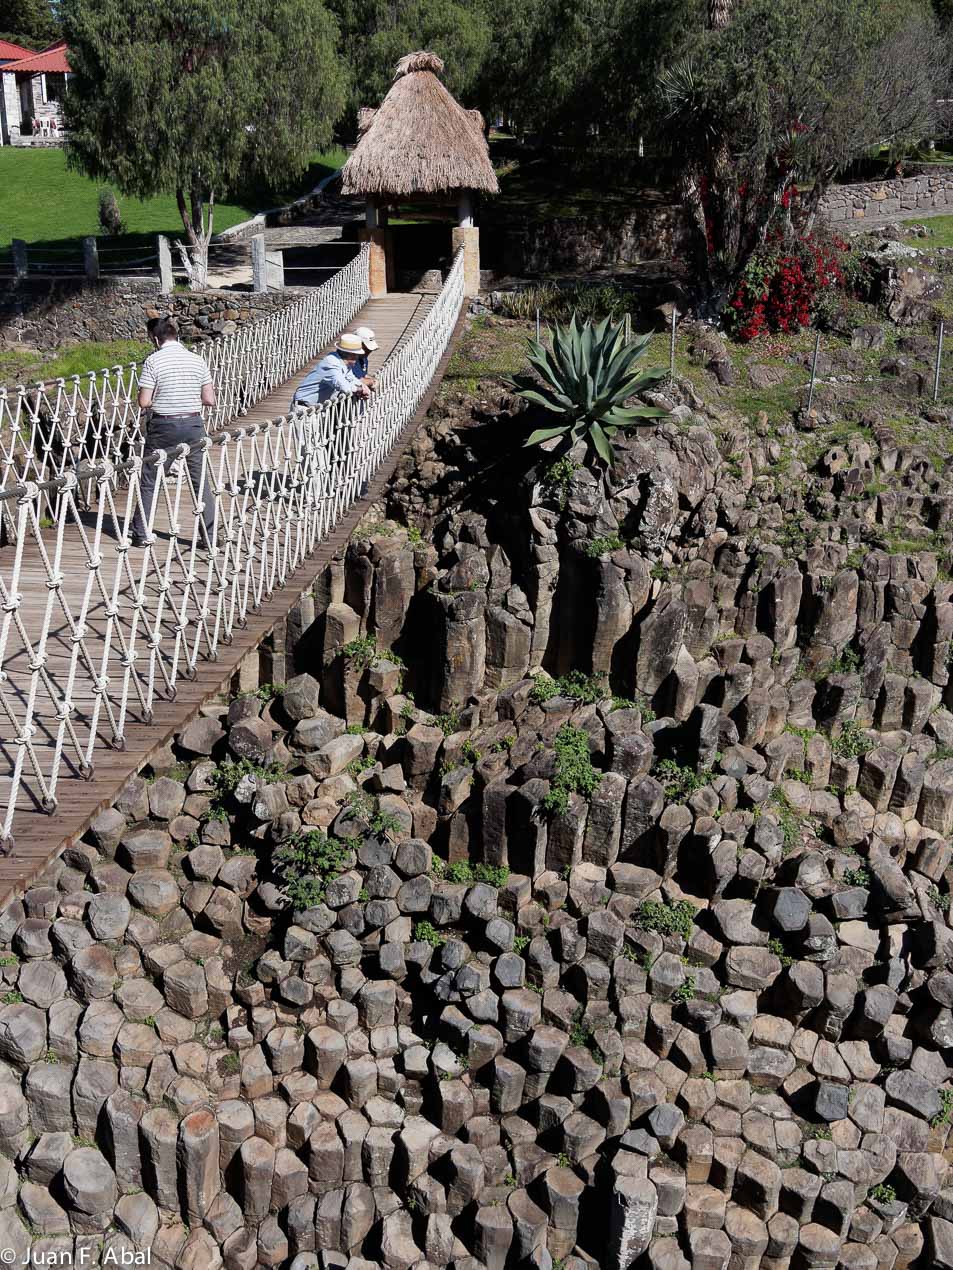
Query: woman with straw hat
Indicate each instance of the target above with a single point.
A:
(333, 374)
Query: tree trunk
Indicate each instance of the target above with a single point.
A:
(198, 233)
(689, 190)
(810, 204)
(719, 14)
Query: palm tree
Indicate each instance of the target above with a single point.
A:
(719, 14)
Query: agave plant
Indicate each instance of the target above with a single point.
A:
(584, 379)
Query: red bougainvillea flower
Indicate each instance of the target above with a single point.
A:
(781, 284)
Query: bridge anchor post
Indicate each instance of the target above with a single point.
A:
(380, 265)
(466, 235)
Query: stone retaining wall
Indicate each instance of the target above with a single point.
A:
(646, 232)
(931, 191)
(50, 312)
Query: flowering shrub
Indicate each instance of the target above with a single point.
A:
(781, 284)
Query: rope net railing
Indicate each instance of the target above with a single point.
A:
(94, 632)
(47, 429)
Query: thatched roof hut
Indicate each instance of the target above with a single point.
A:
(419, 140)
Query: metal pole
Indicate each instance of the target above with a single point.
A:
(810, 393)
(671, 348)
(537, 324)
(936, 371)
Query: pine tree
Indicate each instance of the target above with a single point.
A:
(193, 97)
(376, 34)
(30, 23)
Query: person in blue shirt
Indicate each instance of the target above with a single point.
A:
(333, 374)
(369, 345)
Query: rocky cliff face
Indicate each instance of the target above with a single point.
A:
(584, 900)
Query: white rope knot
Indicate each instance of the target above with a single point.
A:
(101, 685)
(94, 562)
(37, 663)
(27, 732)
(55, 581)
(70, 480)
(12, 603)
(79, 634)
(29, 490)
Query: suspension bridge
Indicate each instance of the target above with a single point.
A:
(106, 650)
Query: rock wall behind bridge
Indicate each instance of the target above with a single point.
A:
(46, 313)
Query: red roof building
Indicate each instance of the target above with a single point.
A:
(13, 52)
(32, 88)
(51, 61)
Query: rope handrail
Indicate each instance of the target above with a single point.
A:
(94, 632)
(53, 426)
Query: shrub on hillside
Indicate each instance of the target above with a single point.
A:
(110, 217)
(560, 302)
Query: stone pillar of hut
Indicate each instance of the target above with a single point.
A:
(466, 235)
(381, 262)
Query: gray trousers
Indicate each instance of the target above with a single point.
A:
(165, 432)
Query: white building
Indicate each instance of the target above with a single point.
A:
(32, 88)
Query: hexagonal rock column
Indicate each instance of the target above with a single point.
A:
(632, 1218)
(197, 1154)
(89, 1185)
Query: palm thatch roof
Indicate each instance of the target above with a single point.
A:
(419, 140)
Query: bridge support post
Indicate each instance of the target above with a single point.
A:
(91, 259)
(467, 236)
(379, 266)
(164, 254)
(381, 263)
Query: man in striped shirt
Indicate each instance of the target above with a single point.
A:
(174, 385)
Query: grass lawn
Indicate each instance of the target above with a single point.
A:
(27, 366)
(45, 203)
(941, 233)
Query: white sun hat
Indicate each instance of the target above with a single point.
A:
(367, 337)
(349, 343)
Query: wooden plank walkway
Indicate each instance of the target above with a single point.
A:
(39, 836)
(393, 320)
